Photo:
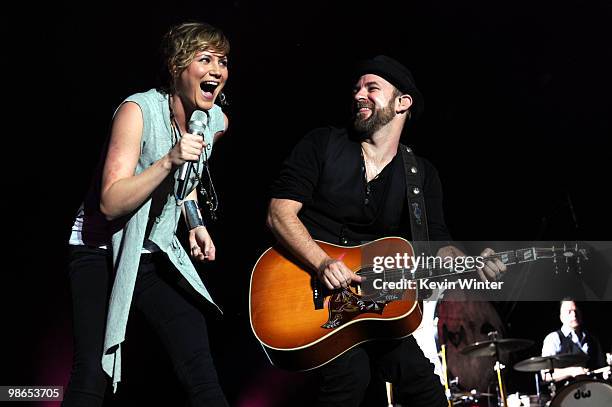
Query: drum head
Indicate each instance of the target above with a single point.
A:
(584, 393)
(461, 322)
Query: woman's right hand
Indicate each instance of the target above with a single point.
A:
(189, 148)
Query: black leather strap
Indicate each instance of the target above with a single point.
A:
(416, 201)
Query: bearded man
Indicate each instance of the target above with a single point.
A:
(348, 186)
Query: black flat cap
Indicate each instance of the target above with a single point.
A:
(396, 74)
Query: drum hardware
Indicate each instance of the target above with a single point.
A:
(518, 400)
(550, 363)
(536, 376)
(455, 396)
(493, 347)
(471, 398)
(447, 391)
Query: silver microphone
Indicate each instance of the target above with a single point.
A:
(197, 125)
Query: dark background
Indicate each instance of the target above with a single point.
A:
(517, 117)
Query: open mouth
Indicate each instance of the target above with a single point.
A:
(362, 110)
(208, 88)
(362, 107)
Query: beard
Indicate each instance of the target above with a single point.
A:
(377, 119)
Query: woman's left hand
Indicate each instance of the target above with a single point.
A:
(202, 246)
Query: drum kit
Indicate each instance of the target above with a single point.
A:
(588, 390)
(470, 338)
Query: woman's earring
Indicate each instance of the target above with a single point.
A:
(223, 100)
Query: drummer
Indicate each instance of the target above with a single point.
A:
(572, 338)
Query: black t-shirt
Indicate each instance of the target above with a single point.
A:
(326, 173)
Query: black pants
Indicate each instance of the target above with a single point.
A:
(344, 380)
(179, 324)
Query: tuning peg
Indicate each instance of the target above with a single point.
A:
(577, 255)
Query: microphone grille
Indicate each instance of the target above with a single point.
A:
(198, 122)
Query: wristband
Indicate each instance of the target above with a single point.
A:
(192, 215)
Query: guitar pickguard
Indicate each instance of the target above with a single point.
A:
(346, 305)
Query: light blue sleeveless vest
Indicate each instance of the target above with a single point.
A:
(127, 242)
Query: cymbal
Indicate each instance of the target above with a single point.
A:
(473, 394)
(537, 363)
(489, 348)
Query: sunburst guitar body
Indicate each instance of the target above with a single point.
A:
(302, 325)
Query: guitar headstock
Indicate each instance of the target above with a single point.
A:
(568, 257)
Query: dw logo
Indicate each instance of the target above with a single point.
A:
(582, 394)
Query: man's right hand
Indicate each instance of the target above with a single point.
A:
(577, 371)
(335, 274)
(566, 372)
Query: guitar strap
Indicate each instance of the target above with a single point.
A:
(416, 201)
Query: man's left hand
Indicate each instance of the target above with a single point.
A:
(493, 269)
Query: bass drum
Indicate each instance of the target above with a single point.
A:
(584, 393)
(461, 321)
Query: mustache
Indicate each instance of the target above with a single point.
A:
(363, 103)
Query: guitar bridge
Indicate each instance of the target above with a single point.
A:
(317, 293)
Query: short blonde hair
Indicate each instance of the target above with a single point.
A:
(181, 44)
